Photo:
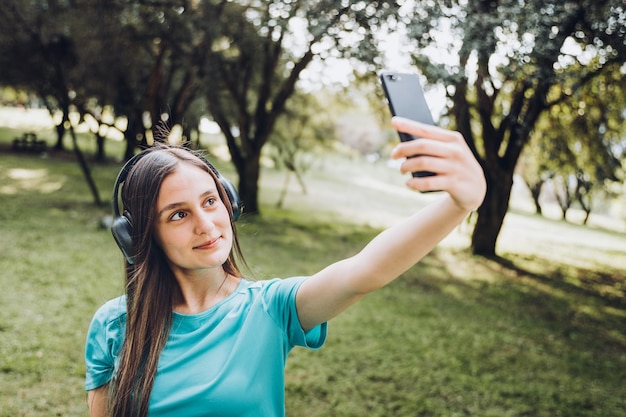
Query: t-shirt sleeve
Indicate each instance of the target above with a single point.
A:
(104, 339)
(282, 306)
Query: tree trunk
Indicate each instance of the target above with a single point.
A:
(134, 131)
(491, 214)
(583, 189)
(60, 129)
(535, 191)
(586, 208)
(249, 173)
(85, 169)
(283, 192)
(100, 154)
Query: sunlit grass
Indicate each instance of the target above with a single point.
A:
(540, 333)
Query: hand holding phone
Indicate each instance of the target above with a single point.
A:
(405, 98)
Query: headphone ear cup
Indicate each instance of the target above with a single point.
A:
(233, 196)
(122, 229)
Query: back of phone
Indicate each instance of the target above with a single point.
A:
(406, 98)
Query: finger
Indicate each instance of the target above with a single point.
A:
(431, 183)
(434, 164)
(423, 147)
(421, 130)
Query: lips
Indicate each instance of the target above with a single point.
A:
(209, 244)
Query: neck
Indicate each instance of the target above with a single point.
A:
(200, 292)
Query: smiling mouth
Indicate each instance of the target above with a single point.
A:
(208, 245)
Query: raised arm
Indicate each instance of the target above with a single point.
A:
(444, 152)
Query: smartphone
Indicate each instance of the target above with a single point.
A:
(405, 98)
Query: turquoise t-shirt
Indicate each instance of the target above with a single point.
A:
(226, 361)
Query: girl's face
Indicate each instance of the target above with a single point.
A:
(192, 223)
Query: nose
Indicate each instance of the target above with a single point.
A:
(204, 223)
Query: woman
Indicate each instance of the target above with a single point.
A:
(192, 337)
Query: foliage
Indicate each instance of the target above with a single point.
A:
(507, 63)
(153, 60)
(578, 144)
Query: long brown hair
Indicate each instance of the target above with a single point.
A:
(150, 283)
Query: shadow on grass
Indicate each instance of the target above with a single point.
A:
(606, 287)
(577, 302)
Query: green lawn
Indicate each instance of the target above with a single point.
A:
(541, 333)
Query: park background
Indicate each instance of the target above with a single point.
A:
(520, 312)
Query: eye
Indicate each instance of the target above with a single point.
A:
(179, 215)
(210, 201)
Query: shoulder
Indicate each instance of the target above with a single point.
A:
(272, 287)
(113, 311)
(275, 297)
(104, 340)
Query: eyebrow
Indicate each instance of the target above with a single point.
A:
(176, 205)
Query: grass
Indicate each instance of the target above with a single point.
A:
(539, 333)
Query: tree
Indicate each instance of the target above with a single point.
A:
(510, 61)
(300, 131)
(578, 144)
(153, 58)
(149, 71)
(38, 55)
(256, 53)
(533, 168)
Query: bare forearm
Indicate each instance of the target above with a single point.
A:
(398, 248)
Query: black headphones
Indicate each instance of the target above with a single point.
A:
(122, 226)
